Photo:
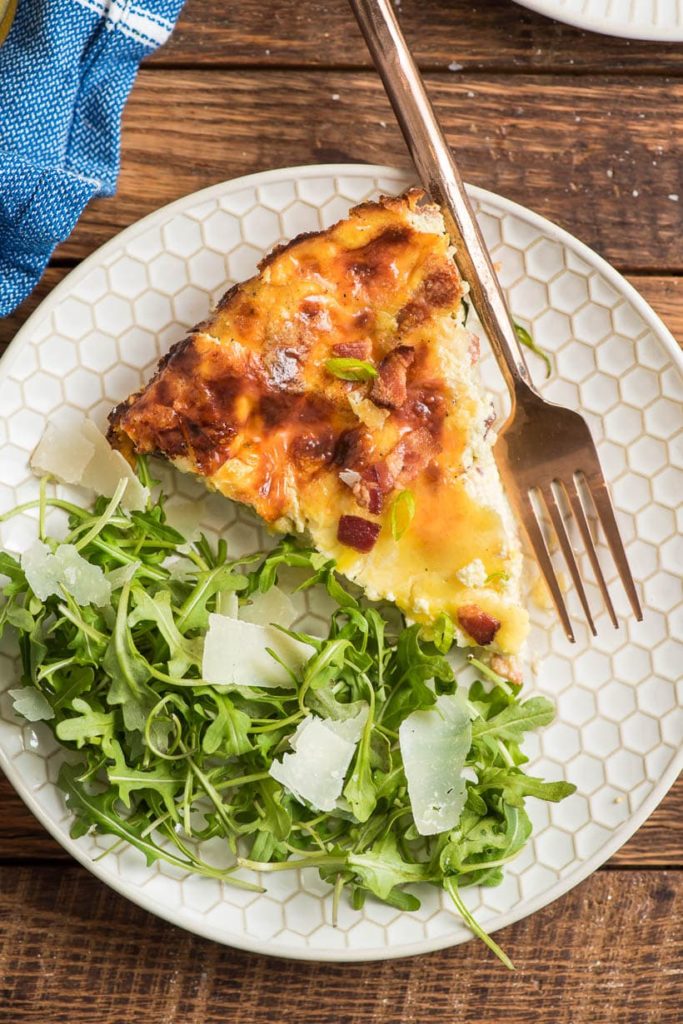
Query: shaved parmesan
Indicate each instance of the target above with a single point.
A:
(236, 653)
(63, 452)
(434, 746)
(179, 567)
(349, 728)
(273, 607)
(78, 453)
(323, 750)
(41, 569)
(107, 467)
(117, 578)
(48, 573)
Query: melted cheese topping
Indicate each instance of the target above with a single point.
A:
(248, 402)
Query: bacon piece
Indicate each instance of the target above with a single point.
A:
(353, 449)
(411, 455)
(439, 290)
(376, 481)
(361, 349)
(389, 389)
(356, 532)
(313, 448)
(481, 626)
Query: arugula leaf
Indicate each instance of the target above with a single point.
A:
(99, 812)
(515, 785)
(89, 725)
(451, 887)
(127, 779)
(147, 608)
(10, 567)
(382, 868)
(525, 339)
(69, 682)
(229, 730)
(360, 789)
(514, 720)
(31, 704)
(194, 613)
(409, 671)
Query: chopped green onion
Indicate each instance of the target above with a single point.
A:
(402, 513)
(495, 577)
(442, 633)
(351, 369)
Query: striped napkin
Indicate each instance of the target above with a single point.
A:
(66, 69)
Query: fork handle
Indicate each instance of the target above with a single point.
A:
(441, 178)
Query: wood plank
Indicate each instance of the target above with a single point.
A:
(492, 35)
(609, 952)
(593, 154)
(665, 295)
(659, 843)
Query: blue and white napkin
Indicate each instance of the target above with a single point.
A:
(66, 69)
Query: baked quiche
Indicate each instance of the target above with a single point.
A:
(337, 394)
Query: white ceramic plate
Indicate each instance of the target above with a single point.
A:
(634, 19)
(98, 336)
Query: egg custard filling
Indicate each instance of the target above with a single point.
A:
(337, 394)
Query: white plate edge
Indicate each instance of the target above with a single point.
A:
(605, 26)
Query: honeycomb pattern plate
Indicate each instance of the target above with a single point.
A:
(619, 724)
(634, 19)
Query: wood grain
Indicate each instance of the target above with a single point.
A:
(659, 843)
(586, 130)
(610, 952)
(592, 153)
(493, 35)
(665, 295)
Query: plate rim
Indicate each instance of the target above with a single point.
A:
(605, 26)
(199, 925)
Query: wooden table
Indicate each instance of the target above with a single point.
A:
(587, 131)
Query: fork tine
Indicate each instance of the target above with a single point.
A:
(567, 550)
(574, 499)
(603, 506)
(537, 541)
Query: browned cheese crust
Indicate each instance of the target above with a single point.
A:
(252, 378)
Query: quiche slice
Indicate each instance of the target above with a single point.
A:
(337, 394)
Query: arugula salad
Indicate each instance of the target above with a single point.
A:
(191, 711)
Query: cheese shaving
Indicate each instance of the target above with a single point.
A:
(47, 573)
(434, 745)
(236, 654)
(79, 453)
(322, 753)
(272, 608)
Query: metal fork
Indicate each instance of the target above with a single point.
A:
(543, 449)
